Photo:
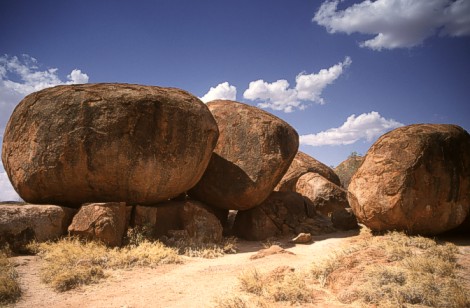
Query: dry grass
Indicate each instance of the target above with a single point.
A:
(240, 301)
(277, 286)
(70, 262)
(190, 248)
(9, 288)
(394, 270)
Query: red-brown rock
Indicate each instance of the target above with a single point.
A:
(74, 144)
(200, 223)
(415, 178)
(301, 165)
(21, 223)
(347, 168)
(253, 152)
(326, 196)
(281, 213)
(105, 222)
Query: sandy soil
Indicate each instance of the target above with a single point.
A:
(196, 283)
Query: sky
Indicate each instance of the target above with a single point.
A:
(342, 73)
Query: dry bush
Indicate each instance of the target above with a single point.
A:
(278, 287)
(396, 270)
(191, 248)
(9, 288)
(238, 301)
(70, 262)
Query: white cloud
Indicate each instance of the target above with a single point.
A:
(397, 23)
(221, 91)
(309, 87)
(20, 76)
(7, 193)
(366, 126)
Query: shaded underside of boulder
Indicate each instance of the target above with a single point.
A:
(22, 223)
(254, 150)
(282, 213)
(138, 144)
(415, 178)
(301, 165)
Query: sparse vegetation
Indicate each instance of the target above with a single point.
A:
(190, 248)
(9, 288)
(70, 262)
(279, 286)
(394, 270)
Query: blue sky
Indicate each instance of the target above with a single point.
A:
(341, 73)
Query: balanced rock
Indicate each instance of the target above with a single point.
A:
(21, 223)
(282, 213)
(301, 165)
(414, 178)
(107, 142)
(254, 150)
(105, 222)
(326, 196)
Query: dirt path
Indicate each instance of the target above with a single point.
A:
(196, 283)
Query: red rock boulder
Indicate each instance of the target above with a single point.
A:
(415, 178)
(253, 152)
(74, 144)
(301, 165)
(105, 222)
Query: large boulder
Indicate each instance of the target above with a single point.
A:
(282, 213)
(301, 165)
(105, 222)
(107, 142)
(415, 178)
(254, 150)
(200, 223)
(327, 197)
(21, 223)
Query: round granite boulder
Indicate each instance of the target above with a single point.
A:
(75, 144)
(254, 150)
(415, 178)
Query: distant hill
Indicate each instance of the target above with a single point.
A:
(347, 168)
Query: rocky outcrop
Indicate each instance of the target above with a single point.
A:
(415, 178)
(326, 196)
(21, 223)
(344, 219)
(347, 168)
(253, 152)
(301, 165)
(105, 222)
(202, 226)
(282, 213)
(74, 144)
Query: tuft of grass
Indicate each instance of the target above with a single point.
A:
(277, 286)
(10, 290)
(190, 248)
(396, 270)
(70, 262)
(237, 301)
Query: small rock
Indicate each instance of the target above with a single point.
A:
(302, 238)
(273, 250)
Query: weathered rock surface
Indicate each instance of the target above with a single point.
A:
(301, 165)
(326, 196)
(253, 152)
(105, 222)
(344, 219)
(202, 226)
(21, 223)
(347, 168)
(282, 213)
(199, 222)
(74, 144)
(272, 250)
(415, 178)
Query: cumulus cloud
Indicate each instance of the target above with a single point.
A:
(221, 91)
(20, 76)
(397, 23)
(308, 88)
(367, 126)
(7, 193)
